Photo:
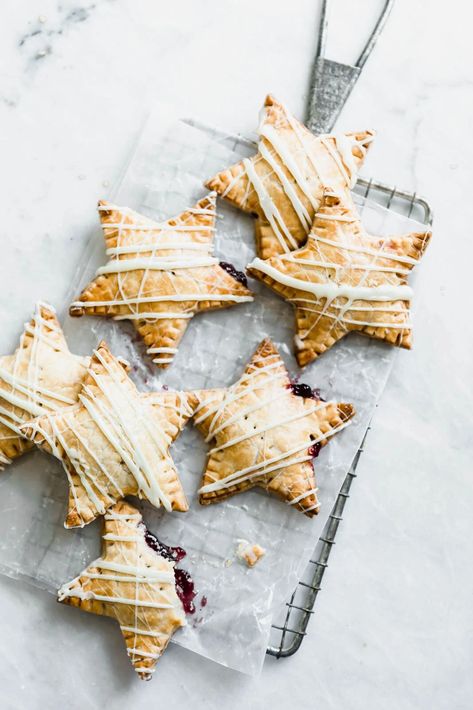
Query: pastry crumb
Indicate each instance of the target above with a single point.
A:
(249, 552)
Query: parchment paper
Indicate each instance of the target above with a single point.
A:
(164, 176)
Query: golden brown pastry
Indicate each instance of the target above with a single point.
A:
(265, 432)
(160, 275)
(132, 584)
(282, 184)
(41, 376)
(249, 552)
(345, 279)
(115, 441)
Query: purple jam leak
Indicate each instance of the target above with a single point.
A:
(203, 601)
(314, 450)
(300, 389)
(185, 587)
(234, 273)
(175, 554)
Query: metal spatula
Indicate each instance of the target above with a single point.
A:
(333, 82)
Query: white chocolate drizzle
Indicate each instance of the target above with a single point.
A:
(140, 248)
(267, 131)
(319, 162)
(169, 247)
(118, 266)
(26, 395)
(328, 283)
(250, 382)
(302, 496)
(330, 291)
(344, 267)
(298, 206)
(378, 253)
(154, 589)
(270, 465)
(273, 425)
(142, 632)
(174, 297)
(269, 208)
(126, 422)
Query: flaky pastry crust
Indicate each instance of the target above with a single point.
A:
(159, 275)
(132, 584)
(115, 441)
(282, 184)
(262, 434)
(41, 376)
(344, 280)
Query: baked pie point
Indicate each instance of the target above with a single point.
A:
(345, 279)
(115, 441)
(263, 433)
(160, 275)
(41, 376)
(132, 583)
(283, 183)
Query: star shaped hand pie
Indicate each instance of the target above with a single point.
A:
(115, 441)
(265, 432)
(160, 275)
(132, 584)
(41, 376)
(345, 279)
(282, 184)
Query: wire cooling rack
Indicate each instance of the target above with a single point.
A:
(290, 628)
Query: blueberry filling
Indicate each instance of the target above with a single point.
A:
(175, 554)
(237, 275)
(185, 587)
(314, 450)
(301, 389)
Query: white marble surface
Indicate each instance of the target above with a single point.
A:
(394, 624)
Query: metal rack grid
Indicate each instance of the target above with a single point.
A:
(288, 633)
